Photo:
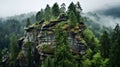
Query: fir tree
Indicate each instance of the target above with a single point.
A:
(63, 55)
(79, 8)
(39, 15)
(55, 10)
(72, 8)
(116, 33)
(105, 45)
(29, 55)
(62, 9)
(28, 22)
(115, 49)
(73, 19)
(48, 62)
(115, 54)
(13, 50)
(47, 14)
(93, 45)
(78, 11)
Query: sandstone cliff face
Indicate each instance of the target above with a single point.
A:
(42, 35)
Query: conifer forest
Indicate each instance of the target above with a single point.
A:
(61, 34)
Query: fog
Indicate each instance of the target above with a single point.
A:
(16, 7)
(108, 21)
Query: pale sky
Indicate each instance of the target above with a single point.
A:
(15, 7)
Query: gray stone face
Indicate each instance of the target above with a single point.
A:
(24, 51)
(43, 34)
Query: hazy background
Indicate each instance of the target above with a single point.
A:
(16, 7)
(100, 15)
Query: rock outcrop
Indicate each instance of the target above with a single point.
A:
(42, 35)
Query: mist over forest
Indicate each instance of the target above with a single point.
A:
(61, 36)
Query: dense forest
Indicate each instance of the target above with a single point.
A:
(21, 37)
(13, 25)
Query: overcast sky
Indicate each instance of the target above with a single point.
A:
(15, 7)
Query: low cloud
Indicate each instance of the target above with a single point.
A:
(107, 21)
(107, 16)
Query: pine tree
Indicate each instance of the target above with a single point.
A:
(115, 54)
(29, 55)
(39, 15)
(78, 12)
(28, 22)
(55, 10)
(13, 50)
(62, 9)
(105, 45)
(63, 55)
(93, 45)
(79, 8)
(47, 14)
(115, 33)
(73, 19)
(115, 49)
(72, 8)
(48, 62)
(76, 9)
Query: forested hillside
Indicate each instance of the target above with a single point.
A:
(59, 36)
(13, 25)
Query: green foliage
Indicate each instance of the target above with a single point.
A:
(92, 43)
(88, 54)
(79, 9)
(76, 9)
(102, 60)
(73, 19)
(88, 34)
(63, 55)
(3, 51)
(39, 15)
(28, 23)
(13, 50)
(62, 8)
(14, 24)
(29, 55)
(97, 60)
(87, 63)
(79, 6)
(71, 7)
(48, 62)
(90, 38)
(97, 28)
(105, 63)
(47, 14)
(105, 45)
(116, 33)
(55, 10)
(115, 49)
